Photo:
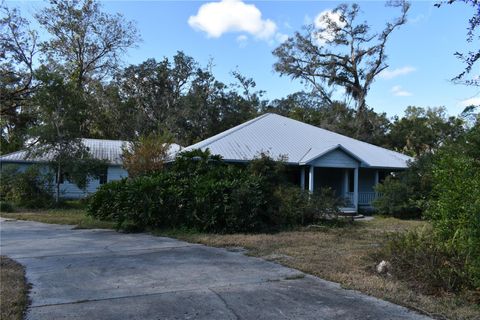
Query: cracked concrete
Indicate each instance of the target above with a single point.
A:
(102, 274)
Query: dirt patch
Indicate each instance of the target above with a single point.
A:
(13, 289)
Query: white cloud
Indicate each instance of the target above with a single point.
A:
(327, 24)
(217, 18)
(390, 74)
(470, 102)
(398, 91)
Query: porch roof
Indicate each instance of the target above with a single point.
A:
(299, 142)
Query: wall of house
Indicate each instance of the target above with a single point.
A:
(69, 190)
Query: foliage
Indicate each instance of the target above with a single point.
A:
(455, 208)
(339, 51)
(406, 194)
(19, 47)
(63, 114)
(201, 192)
(448, 255)
(423, 130)
(6, 206)
(85, 43)
(147, 154)
(178, 96)
(426, 263)
(31, 188)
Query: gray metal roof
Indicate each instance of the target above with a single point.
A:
(299, 142)
(109, 150)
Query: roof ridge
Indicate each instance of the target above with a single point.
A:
(225, 133)
(339, 134)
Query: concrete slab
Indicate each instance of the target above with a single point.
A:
(102, 274)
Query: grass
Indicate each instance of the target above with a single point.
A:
(75, 217)
(343, 254)
(13, 289)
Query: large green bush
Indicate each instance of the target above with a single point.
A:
(447, 256)
(199, 191)
(31, 188)
(406, 194)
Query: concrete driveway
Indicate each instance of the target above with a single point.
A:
(102, 274)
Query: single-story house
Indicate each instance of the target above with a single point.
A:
(108, 150)
(317, 158)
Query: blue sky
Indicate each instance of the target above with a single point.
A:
(420, 53)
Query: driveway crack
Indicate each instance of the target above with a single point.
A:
(225, 303)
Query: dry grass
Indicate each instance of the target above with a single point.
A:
(75, 217)
(344, 255)
(13, 290)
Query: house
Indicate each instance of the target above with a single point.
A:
(108, 150)
(315, 157)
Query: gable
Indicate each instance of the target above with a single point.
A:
(336, 158)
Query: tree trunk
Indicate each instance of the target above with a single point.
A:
(57, 194)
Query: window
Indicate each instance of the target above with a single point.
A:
(103, 177)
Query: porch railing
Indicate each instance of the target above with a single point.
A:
(364, 198)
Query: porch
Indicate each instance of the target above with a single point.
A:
(356, 186)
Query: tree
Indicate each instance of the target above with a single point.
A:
(339, 51)
(85, 43)
(147, 154)
(62, 115)
(19, 46)
(472, 57)
(423, 130)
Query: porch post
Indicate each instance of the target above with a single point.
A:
(345, 182)
(355, 189)
(311, 174)
(302, 178)
(377, 180)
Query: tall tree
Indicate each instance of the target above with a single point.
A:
(19, 46)
(85, 42)
(62, 113)
(339, 51)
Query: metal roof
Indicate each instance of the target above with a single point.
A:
(109, 150)
(299, 142)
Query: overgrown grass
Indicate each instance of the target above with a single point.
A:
(13, 290)
(345, 255)
(68, 216)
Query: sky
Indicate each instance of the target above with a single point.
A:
(241, 35)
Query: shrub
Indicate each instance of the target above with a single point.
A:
(199, 191)
(6, 206)
(406, 194)
(31, 188)
(424, 261)
(455, 208)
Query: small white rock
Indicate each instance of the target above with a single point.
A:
(383, 267)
